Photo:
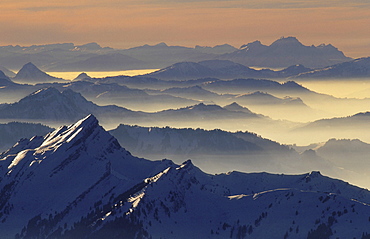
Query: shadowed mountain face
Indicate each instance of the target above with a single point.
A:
(285, 52)
(80, 183)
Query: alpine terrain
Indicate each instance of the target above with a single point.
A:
(78, 182)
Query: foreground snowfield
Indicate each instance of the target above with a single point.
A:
(78, 182)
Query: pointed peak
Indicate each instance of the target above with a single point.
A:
(88, 121)
(29, 67)
(29, 64)
(77, 133)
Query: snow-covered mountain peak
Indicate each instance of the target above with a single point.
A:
(86, 136)
(79, 133)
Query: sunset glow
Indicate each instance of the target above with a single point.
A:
(124, 24)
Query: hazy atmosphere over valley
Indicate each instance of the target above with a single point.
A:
(184, 119)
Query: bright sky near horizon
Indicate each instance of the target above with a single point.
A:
(128, 23)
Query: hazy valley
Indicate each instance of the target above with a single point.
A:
(216, 133)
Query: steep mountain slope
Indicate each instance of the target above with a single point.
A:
(77, 182)
(285, 52)
(62, 175)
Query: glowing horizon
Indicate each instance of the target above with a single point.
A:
(125, 24)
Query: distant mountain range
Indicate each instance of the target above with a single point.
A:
(284, 52)
(50, 106)
(78, 182)
(222, 69)
(92, 57)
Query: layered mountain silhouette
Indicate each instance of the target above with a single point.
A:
(70, 57)
(80, 183)
(262, 98)
(50, 104)
(223, 69)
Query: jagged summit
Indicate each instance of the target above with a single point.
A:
(84, 135)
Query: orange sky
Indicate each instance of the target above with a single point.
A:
(128, 23)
